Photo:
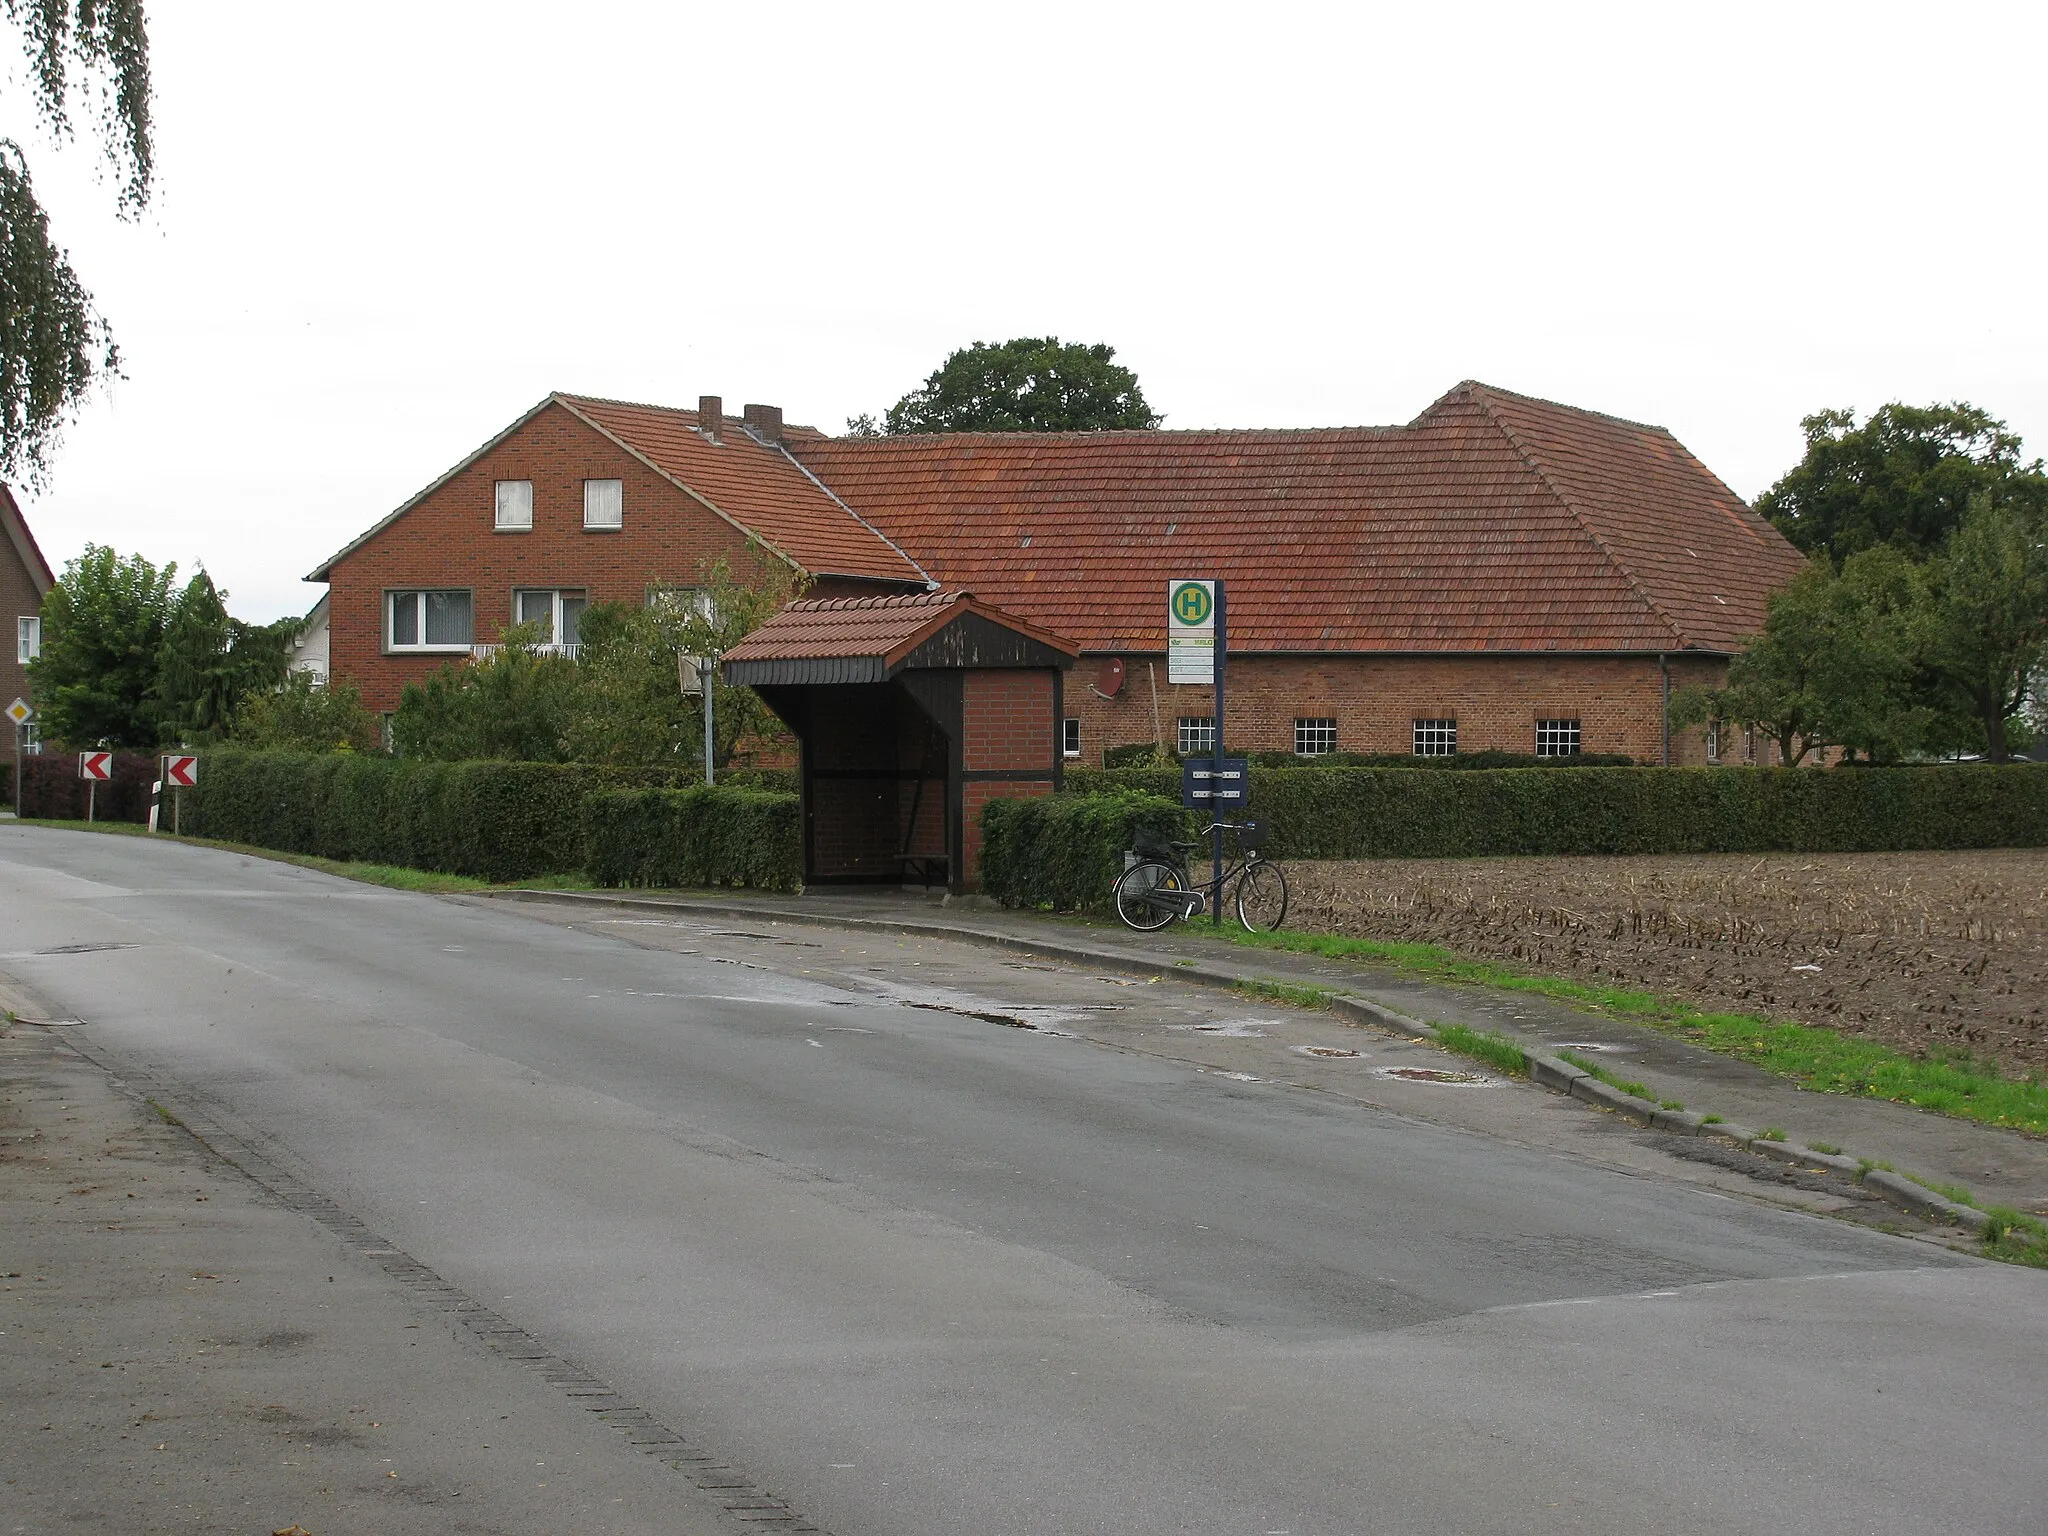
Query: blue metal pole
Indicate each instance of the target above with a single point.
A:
(1216, 764)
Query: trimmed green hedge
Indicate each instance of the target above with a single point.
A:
(700, 836)
(1359, 813)
(490, 820)
(1065, 851)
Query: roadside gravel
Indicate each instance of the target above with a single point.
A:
(180, 1353)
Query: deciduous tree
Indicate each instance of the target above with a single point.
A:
(514, 703)
(1032, 384)
(210, 661)
(103, 631)
(1832, 667)
(1983, 631)
(94, 55)
(1904, 478)
(301, 715)
(633, 706)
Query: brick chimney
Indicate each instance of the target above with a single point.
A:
(765, 421)
(710, 416)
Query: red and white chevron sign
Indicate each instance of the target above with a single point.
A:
(96, 765)
(181, 772)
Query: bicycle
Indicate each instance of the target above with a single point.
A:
(1156, 886)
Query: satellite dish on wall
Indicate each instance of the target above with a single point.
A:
(1109, 677)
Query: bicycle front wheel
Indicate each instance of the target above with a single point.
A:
(1262, 898)
(1150, 895)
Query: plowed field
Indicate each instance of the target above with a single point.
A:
(1943, 951)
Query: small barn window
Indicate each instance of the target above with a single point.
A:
(603, 504)
(1436, 738)
(515, 506)
(1314, 737)
(1070, 737)
(1557, 738)
(1197, 735)
(28, 639)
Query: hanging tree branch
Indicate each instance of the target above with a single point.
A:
(53, 341)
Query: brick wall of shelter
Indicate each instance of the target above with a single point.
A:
(449, 541)
(1375, 700)
(1008, 727)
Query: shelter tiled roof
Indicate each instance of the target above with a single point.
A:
(884, 628)
(1492, 522)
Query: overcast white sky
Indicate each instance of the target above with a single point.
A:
(384, 230)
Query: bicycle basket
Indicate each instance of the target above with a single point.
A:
(1251, 835)
(1151, 845)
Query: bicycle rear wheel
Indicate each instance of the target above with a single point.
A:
(1150, 895)
(1262, 897)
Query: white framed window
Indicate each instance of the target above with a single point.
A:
(1197, 735)
(28, 638)
(604, 503)
(1313, 736)
(1557, 738)
(429, 621)
(1749, 743)
(1070, 737)
(1436, 738)
(1713, 741)
(557, 614)
(515, 506)
(683, 601)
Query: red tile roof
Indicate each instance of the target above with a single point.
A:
(759, 487)
(886, 628)
(1492, 522)
(24, 541)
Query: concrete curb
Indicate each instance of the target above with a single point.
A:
(1924, 1201)
(1547, 1071)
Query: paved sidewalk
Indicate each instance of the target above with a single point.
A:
(1998, 1167)
(182, 1353)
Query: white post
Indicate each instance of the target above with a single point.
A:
(708, 665)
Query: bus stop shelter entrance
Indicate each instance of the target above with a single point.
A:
(912, 712)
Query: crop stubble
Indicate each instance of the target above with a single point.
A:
(1941, 951)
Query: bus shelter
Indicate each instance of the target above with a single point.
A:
(912, 713)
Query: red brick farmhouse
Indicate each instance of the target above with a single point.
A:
(1501, 572)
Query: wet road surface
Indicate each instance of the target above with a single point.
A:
(823, 1204)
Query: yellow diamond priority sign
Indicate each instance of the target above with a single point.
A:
(19, 712)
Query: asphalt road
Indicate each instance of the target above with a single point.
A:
(919, 1272)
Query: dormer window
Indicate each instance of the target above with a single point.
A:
(515, 506)
(604, 504)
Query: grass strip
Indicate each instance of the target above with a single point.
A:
(2014, 1238)
(1497, 1051)
(1610, 1078)
(1291, 993)
(1809, 1055)
(396, 877)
